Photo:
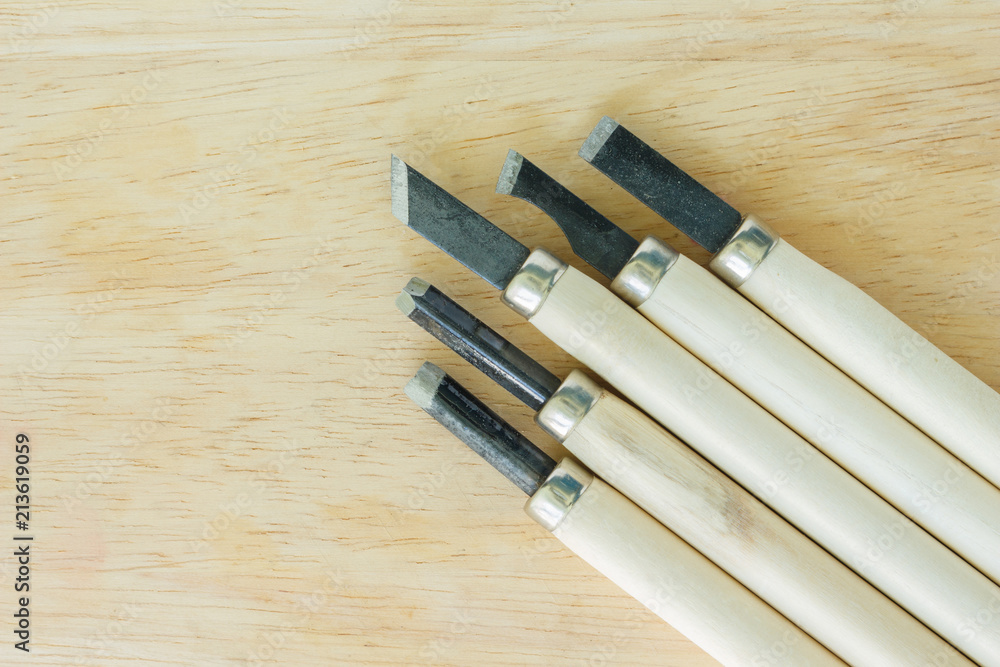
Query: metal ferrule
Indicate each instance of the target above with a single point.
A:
(531, 285)
(750, 245)
(568, 406)
(635, 283)
(557, 494)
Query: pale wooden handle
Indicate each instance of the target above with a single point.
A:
(680, 585)
(878, 350)
(771, 461)
(829, 409)
(745, 538)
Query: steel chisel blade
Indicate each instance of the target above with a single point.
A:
(661, 185)
(454, 227)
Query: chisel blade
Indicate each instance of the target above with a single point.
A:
(454, 227)
(463, 332)
(661, 185)
(594, 238)
(485, 432)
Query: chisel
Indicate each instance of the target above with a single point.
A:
(837, 319)
(688, 495)
(720, 422)
(621, 541)
(796, 384)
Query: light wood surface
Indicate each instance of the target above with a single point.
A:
(883, 353)
(888, 454)
(676, 582)
(745, 538)
(771, 461)
(195, 204)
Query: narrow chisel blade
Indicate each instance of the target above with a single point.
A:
(661, 185)
(454, 227)
(463, 332)
(594, 238)
(485, 432)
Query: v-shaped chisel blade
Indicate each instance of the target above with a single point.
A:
(661, 185)
(595, 239)
(475, 342)
(485, 432)
(454, 227)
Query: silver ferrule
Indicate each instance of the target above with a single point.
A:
(557, 494)
(568, 406)
(750, 245)
(635, 283)
(531, 285)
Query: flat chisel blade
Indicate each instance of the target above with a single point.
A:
(594, 238)
(485, 432)
(454, 227)
(661, 185)
(463, 332)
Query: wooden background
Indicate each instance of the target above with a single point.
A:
(199, 266)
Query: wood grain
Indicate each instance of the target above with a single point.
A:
(199, 266)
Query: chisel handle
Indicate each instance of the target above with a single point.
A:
(867, 342)
(817, 400)
(763, 455)
(734, 530)
(668, 576)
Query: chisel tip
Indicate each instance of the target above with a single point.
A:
(598, 137)
(417, 287)
(422, 388)
(509, 173)
(400, 190)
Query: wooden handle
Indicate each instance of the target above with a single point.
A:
(829, 409)
(878, 350)
(771, 461)
(672, 579)
(736, 531)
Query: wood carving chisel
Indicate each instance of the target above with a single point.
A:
(688, 495)
(708, 413)
(837, 319)
(794, 382)
(621, 541)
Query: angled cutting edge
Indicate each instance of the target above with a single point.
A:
(661, 185)
(594, 238)
(499, 443)
(475, 342)
(454, 227)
